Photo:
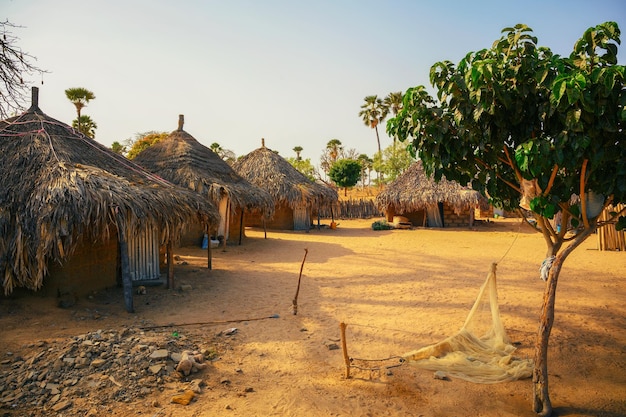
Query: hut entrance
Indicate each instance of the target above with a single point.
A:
(433, 216)
(143, 255)
(301, 218)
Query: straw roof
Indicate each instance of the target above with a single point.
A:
(286, 184)
(181, 159)
(414, 190)
(59, 186)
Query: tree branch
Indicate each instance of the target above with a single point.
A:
(583, 202)
(551, 182)
(518, 174)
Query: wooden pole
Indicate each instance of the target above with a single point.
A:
(344, 348)
(170, 264)
(264, 228)
(241, 227)
(127, 282)
(295, 299)
(209, 254)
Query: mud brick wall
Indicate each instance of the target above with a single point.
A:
(450, 219)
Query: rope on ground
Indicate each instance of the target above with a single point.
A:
(201, 323)
(351, 362)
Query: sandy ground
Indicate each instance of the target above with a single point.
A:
(397, 291)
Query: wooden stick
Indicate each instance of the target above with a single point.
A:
(344, 348)
(295, 299)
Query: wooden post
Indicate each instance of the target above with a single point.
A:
(127, 282)
(344, 348)
(209, 254)
(241, 227)
(264, 228)
(170, 264)
(319, 220)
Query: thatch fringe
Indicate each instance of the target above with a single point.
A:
(60, 187)
(414, 190)
(287, 185)
(181, 159)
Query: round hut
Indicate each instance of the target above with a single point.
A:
(419, 200)
(76, 217)
(297, 199)
(182, 160)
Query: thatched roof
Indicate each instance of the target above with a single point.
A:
(285, 184)
(413, 190)
(59, 186)
(181, 159)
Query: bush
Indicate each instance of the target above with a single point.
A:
(381, 225)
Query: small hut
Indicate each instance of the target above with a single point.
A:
(76, 217)
(297, 199)
(182, 160)
(421, 201)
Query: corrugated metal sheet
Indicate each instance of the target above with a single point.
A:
(143, 254)
(301, 218)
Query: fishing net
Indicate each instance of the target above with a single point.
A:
(481, 351)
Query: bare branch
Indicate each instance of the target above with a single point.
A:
(15, 64)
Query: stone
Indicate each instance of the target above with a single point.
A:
(184, 398)
(160, 354)
(155, 369)
(97, 363)
(62, 405)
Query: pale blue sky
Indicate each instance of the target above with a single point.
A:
(292, 72)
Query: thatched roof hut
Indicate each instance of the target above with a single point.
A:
(181, 159)
(421, 199)
(296, 197)
(62, 191)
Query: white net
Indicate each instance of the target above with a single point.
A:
(481, 351)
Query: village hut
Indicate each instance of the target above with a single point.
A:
(77, 217)
(182, 160)
(415, 199)
(297, 199)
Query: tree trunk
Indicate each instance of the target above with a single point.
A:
(541, 397)
(378, 139)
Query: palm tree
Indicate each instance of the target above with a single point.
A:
(393, 101)
(79, 97)
(297, 150)
(373, 112)
(366, 166)
(85, 125)
(331, 154)
(226, 154)
(334, 149)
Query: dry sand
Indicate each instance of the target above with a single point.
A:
(397, 291)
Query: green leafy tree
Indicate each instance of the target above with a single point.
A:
(85, 125)
(532, 128)
(304, 166)
(118, 148)
(297, 150)
(345, 173)
(393, 161)
(373, 112)
(79, 97)
(15, 64)
(225, 154)
(144, 141)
